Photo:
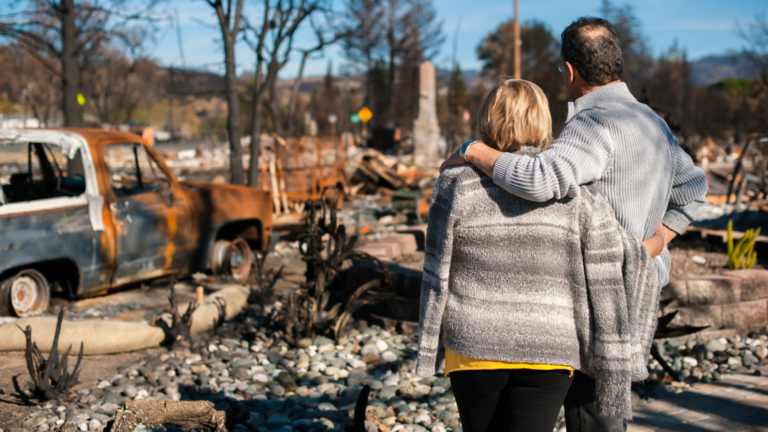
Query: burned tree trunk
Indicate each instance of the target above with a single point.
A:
(229, 21)
(51, 377)
(233, 119)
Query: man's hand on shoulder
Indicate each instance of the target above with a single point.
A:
(478, 154)
(454, 159)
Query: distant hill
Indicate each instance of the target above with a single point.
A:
(711, 69)
(705, 71)
(311, 83)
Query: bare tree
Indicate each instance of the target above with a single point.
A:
(382, 36)
(63, 34)
(363, 47)
(325, 34)
(539, 57)
(24, 82)
(230, 20)
(755, 34)
(117, 84)
(272, 43)
(638, 63)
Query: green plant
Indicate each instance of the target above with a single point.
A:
(742, 255)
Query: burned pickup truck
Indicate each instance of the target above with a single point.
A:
(86, 211)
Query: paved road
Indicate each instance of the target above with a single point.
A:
(737, 403)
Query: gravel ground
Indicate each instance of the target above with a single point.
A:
(247, 366)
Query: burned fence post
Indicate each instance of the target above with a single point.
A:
(51, 377)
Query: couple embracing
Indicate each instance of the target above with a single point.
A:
(545, 259)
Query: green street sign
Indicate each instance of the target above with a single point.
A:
(354, 118)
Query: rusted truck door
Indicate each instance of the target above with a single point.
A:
(153, 225)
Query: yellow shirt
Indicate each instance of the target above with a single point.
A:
(456, 362)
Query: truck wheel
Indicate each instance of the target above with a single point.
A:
(26, 293)
(233, 258)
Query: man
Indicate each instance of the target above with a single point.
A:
(622, 146)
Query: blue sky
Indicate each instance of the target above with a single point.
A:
(702, 27)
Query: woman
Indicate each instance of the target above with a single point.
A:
(510, 286)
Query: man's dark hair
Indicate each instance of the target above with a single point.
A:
(592, 47)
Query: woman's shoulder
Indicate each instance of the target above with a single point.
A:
(461, 173)
(460, 179)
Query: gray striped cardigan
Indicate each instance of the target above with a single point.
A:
(558, 282)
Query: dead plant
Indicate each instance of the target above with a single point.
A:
(308, 313)
(51, 377)
(179, 332)
(263, 290)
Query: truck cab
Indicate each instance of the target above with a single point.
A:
(86, 211)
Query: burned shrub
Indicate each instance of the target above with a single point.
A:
(51, 377)
(263, 290)
(181, 325)
(308, 312)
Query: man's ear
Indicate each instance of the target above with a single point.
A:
(570, 73)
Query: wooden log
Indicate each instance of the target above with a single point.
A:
(187, 416)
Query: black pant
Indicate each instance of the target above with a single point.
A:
(580, 411)
(509, 400)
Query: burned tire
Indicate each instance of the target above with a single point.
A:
(232, 258)
(26, 293)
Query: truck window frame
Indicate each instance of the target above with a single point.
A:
(43, 204)
(154, 165)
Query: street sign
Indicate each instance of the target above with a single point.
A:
(365, 114)
(332, 119)
(354, 118)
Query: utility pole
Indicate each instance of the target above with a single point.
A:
(516, 30)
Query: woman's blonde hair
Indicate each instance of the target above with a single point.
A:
(513, 114)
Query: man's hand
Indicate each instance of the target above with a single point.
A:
(478, 154)
(453, 160)
(661, 238)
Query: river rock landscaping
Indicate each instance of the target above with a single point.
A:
(246, 368)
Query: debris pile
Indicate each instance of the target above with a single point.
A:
(740, 178)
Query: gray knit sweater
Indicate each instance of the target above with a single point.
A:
(550, 283)
(630, 154)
